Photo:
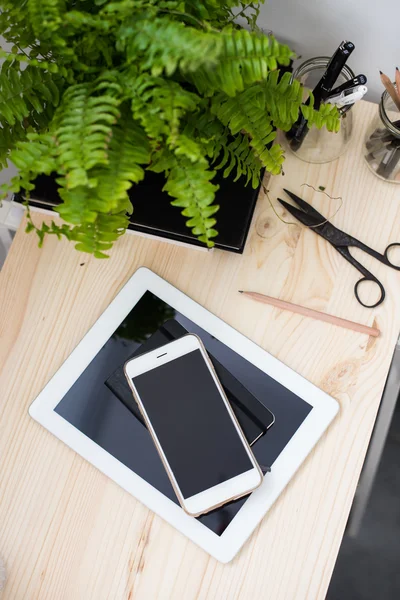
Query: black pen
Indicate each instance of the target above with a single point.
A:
(334, 68)
(355, 82)
(321, 91)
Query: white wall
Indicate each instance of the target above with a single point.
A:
(316, 28)
(6, 174)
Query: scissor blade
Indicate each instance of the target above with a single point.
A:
(308, 209)
(300, 215)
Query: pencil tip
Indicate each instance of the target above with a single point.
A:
(240, 291)
(397, 68)
(380, 72)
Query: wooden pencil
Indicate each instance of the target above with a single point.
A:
(398, 81)
(313, 314)
(391, 90)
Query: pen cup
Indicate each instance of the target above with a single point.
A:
(382, 143)
(320, 145)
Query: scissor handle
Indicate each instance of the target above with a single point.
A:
(386, 255)
(370, 277)
(367, 275)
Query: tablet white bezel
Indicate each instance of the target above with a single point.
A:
(223, 547)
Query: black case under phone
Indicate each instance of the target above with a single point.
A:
(254, 418)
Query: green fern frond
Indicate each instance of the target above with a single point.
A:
(96, 232)
(190, 183)
(282, 99)
(77, 207)
(98, 237)
(215, 12)
(208, 130)
(87, 36)
(186, 145)
(243, 113)
(231, 153)
(24, 91)
(95, 238)
(46, 16)
(251, 16)
(163, 45)
(77, 19)
(107, 200)
(15, 25)
(246, 57)
(327, 116)
(32, 157)
(238, 155)
(9, 137)
(129, 149)
(83, 128)
(32, 61)
(159, 105)
(123, 9)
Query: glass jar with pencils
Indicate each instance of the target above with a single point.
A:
(321, 145)
(382, 142)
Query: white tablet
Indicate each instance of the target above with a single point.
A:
(82, 406)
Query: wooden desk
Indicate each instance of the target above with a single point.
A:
(66, 531)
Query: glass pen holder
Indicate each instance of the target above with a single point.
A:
(320, 145)
(382, 142)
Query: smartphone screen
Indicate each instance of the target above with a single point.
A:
(192, 423)
(254, 418)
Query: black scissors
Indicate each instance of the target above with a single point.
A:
(341, 241)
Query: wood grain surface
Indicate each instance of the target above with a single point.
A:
(69, 533)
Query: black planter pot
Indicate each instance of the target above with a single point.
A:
(154, 215)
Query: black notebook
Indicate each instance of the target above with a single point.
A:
(154, 215)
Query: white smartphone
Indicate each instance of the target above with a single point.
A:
(194, 428)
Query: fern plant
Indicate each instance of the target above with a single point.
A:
(98, 91)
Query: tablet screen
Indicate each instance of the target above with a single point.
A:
(92, 407)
